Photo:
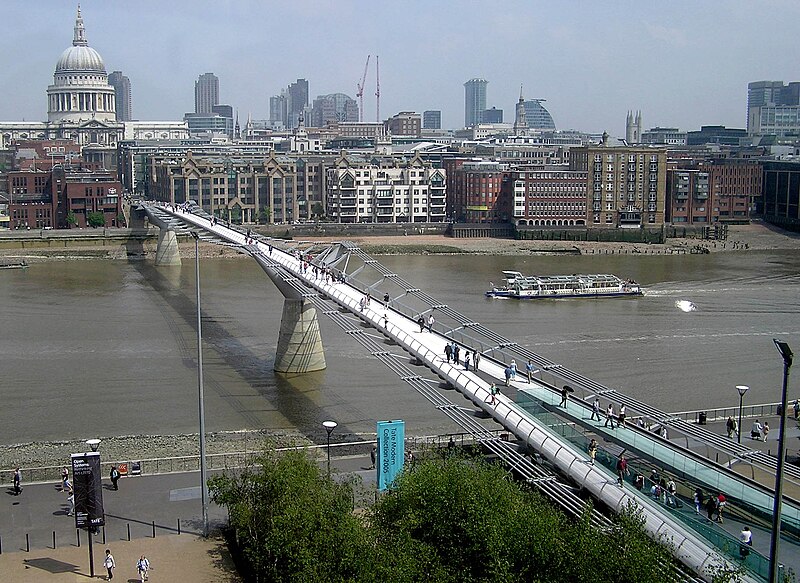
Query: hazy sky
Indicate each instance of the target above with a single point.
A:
(682, 63)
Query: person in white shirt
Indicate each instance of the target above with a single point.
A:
(755, 430)
(746, 540)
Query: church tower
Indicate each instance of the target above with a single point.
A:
(633, 128)
(520, 120)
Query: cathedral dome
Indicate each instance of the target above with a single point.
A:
(80, 58)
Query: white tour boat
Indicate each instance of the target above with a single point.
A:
(530, 287)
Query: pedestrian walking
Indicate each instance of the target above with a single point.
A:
(421, 322)
(698, 500)
(114, 477)
(143, 566)
(466, 360)
(672, 490)
(493, 392)
(722, 503)
(448, 351)
(592, 449)
(372, 454)
(595, 410)
(746, 541)
(431, 321)
(386, 299)
(622, 469)
(109, 564)
(71, 502)
(64, 478)
(755, 430)
(730, 426)
(796, 408)
(529, 370)
(621, 416)
(477, 359)
(456, 352)
(564, 397)
(513, 367)
(507, 373)
(17, 482)
(609, 415)
(712, 505)
(766, 430)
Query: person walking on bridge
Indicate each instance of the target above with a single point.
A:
(17, 482)
(421, 322)
(609, 415)
(595, 409)
(448, 351)
(755, 430)
(431, 321)
(466, 360)
(730, 426)
(477, 359)
(622, 469)
(456, 352)
(529, 370)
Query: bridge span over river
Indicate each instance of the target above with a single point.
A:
(381, 311)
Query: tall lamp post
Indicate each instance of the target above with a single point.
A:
(775, 540)
(200, 396)
(742, 390)
(329, 427)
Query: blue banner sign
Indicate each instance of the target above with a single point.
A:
(391, 451)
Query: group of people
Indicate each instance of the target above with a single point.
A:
(142, 566)
(713, 505)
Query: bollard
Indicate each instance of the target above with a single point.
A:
(179, 526)
(104, 534)
(1, 545)
(54, 540)
(78, 534)
(27, 543)
(129, 532)
(154, 529)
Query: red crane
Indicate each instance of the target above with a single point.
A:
(360, 92)
(377, 90)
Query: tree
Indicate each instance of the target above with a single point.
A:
(264, 215)
(72, 220)
(292, 522)
(96, 220)
(317, 210)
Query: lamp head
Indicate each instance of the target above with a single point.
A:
(329, 426)
(742, 389)
(786, 352)
(194, 235)
(93, 443)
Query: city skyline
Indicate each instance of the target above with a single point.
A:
(682, 64)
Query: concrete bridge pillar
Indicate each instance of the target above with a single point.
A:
(167, 250)
(299, 341)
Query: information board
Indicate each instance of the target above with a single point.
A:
(88, 490)
(391, 451)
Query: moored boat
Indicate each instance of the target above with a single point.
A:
(15, 264)
(525, 287)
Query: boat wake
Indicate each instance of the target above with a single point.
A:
(685, 306)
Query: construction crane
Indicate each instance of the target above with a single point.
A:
(377, 90)
(360, 92)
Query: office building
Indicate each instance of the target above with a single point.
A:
(432, 119)
(716, 135)
(122, 95)
(206, 93)
(664, 137)
(492, 115)
(296, 102)
(626, 186)
(782, 194)
(537, 116)
(277, 109)
(405, 123)
(474, 101)
(773, 108)
(545, 196)
(335, 107)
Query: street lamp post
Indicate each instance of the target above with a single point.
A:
(775, 539)
(742, 390)
(329, 427)
(94, 445)
(200, 396)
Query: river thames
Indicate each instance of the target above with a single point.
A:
(108, 348)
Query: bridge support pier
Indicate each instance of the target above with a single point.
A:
(299, 341)
(167, 250)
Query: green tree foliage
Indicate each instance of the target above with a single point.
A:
(72, 220)
(446, 521)
(96, 219)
